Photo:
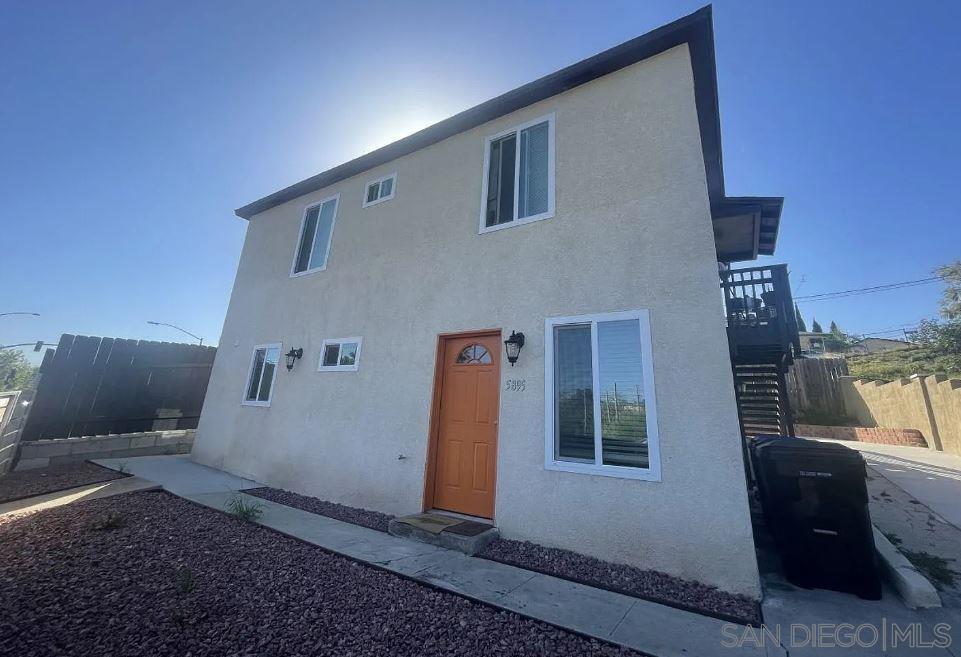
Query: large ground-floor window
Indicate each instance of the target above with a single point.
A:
(599, 394)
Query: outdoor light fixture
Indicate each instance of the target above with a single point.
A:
(292, 356)
(513, 345)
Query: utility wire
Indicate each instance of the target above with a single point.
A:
(909, 329)
(840, 294)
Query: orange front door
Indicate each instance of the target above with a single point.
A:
(467, 431)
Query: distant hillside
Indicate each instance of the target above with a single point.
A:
(889, 365)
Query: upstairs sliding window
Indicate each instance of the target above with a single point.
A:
(519, 175)
(316, 230)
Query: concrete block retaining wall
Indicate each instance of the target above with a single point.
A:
(41, 453)
(884, 436)
(929, 404)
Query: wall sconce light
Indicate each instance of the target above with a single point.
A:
(292, 356)
(513, 345)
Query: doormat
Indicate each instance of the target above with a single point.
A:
(469, 528)
(434, 524)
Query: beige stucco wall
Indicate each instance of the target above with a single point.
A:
(930, 404)
(632, 230)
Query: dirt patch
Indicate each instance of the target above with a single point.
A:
(175, 579)
(353, 515)
(27, 483)
(647, 584)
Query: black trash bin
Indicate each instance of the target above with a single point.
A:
(815, 502)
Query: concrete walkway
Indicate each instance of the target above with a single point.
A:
(179, 475)
(85, 492)
(931, 477)
(646, 626)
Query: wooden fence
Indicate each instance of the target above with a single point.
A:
(814, 387)
(95, 386)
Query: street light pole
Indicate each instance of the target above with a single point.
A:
(195, 337)
(19, 313)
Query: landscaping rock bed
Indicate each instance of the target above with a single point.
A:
(362, 517)
(27, 483)
(155, 575)
(647, 584)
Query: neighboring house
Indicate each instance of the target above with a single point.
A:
(874, 345)
(816, 344)
(812, 344)
(586, 211)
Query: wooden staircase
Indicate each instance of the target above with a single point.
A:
(762, 400)
(763, 338)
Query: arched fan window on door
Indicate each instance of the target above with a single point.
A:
(474, 354)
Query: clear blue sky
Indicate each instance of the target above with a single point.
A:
(129, 132)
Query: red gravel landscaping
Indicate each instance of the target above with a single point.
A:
(27, 483)
(362, 517)
(647, 584)
(154, 575)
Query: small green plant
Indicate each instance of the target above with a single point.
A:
(111, 520)
(935, 567)
(178, 617)
(185, 580)
(243, 510)
(122, 467)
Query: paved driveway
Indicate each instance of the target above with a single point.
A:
(933, 478)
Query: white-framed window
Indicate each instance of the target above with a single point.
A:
(260, 377)
(340, 355)
(316, 231)
(601, 416)
(380, 190)
(518, 175)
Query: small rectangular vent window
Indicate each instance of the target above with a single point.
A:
(380, 190)
(340, 355)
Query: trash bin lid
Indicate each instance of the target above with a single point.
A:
(802, 450)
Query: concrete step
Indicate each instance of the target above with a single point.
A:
(467, 536)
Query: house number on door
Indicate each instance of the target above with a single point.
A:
(515, 385)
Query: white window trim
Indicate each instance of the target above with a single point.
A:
(653, 471)
(250, 370)
(339, 368)
(380, 199)
(517, 155)
(300, 235)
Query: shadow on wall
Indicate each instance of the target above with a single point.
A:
(930, 404)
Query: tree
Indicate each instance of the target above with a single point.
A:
(801, 326)
(816, 327)
(837, 341)
(15, 371)
(951, 297)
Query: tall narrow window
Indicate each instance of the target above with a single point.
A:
(600, 385)
(519, 175)
(260, 378)
(316, 230)
(574, 393)
(500, 181)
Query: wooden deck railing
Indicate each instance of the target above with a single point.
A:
(760, 309)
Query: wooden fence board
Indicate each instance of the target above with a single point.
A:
(814, 386)
(96, 386)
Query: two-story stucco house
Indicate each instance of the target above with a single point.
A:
(585, 210)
